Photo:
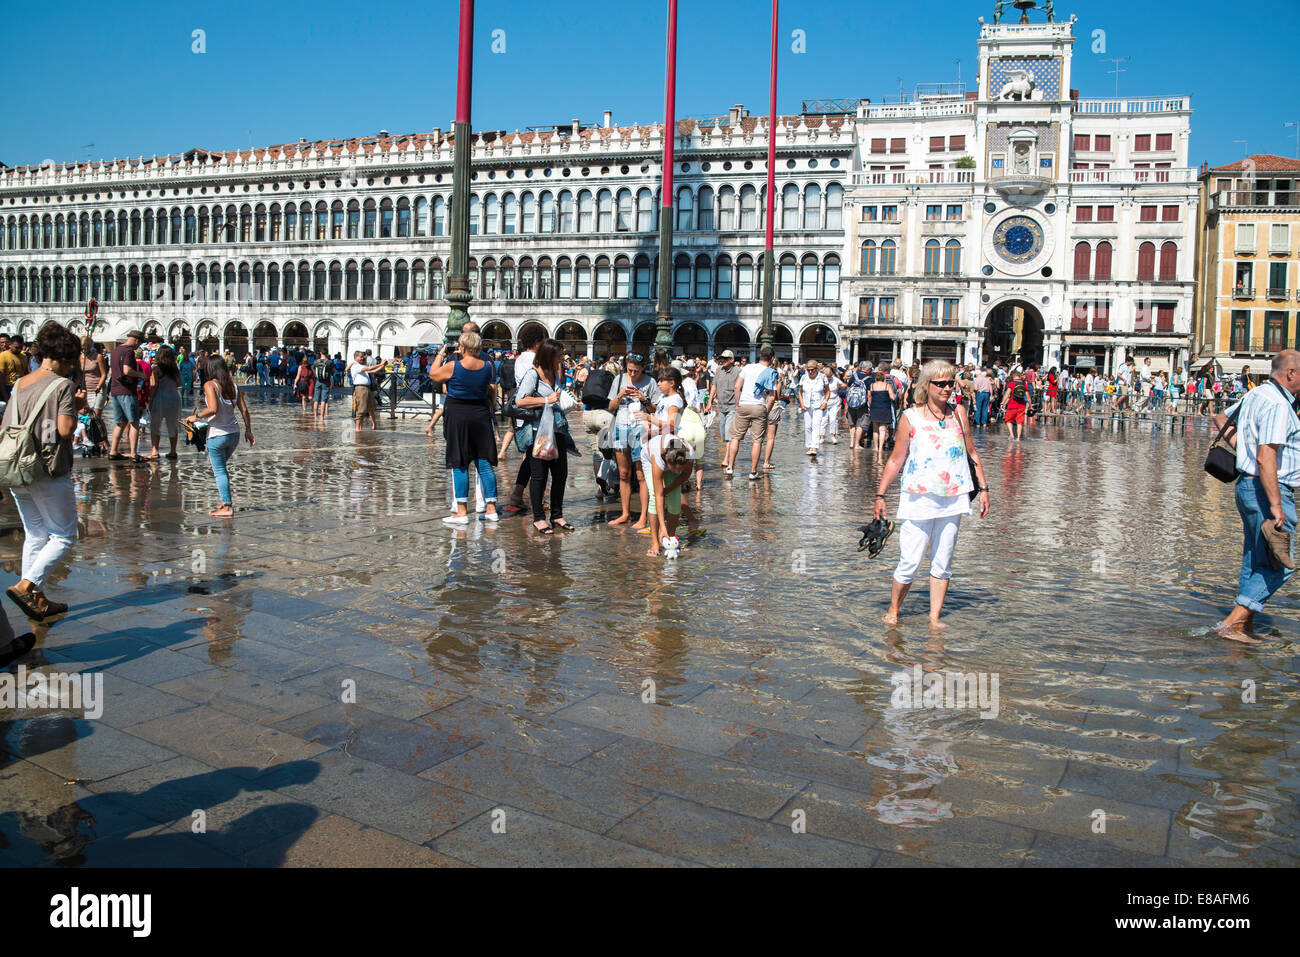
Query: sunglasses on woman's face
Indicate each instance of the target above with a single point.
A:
(942, 383)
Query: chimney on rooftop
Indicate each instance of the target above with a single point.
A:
(577, 124)
(383, 132)
(437, 134)
(609, 118)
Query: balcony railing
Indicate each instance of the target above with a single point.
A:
(902, 177)
(1266, 346)
(1173, 104)
(907, 110)
(1278, 292)
(1244, 292)
(1231, 198)
(1127, 176)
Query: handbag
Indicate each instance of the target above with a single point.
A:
(1221, 460)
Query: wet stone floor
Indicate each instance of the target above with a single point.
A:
(336, 678)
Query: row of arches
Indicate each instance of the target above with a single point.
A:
(723, 277)
(811, 207)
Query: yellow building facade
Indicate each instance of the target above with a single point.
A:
(1248, 262)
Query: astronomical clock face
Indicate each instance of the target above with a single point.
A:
(1018, 240)
(1018, 243)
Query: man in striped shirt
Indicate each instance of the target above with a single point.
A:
(1268, 459)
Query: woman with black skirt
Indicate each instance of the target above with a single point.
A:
(540, 389)
(468, 425)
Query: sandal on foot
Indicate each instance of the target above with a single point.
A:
(564, 525)
(25, 602)
(52, 607)
(545, 530)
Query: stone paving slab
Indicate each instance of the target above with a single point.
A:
(63, 745)
(222, 740)
(409, 746)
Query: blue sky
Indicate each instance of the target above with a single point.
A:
(123, 77)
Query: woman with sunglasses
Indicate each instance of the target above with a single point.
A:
(930, 450)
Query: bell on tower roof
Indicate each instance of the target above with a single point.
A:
(1024, 6)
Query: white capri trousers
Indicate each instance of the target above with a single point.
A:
(939, 535)
(48, 508)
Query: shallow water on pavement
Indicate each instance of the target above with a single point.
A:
(1090, 592)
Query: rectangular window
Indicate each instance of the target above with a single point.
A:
(322, 223)
(386, 224)
(1165, 319)
(1083, 214)
(951, 311)
(1240, 330)
(937, 144)
(744, 282)
(889, 214)
(1164, 142)
(888, 305)
(643, 282)
(1279, 238)
(354, 223)
(1148, 214)
(290, 224)
(929, 311)
(1105, 214)
(933, 214)
(956, 143)
(898, 145)
(564, 286)
(1169, 214)
(703, 282)
(1100, 316)
(878, 145)
(583, 289)
(370, 224)
(602, 282)
(622, 282)
(1142, 317)
(1277, 286)
(403, 221)
(1142, 143)
(724, 282)
(682, 282)
(1245, 237)
(831, 282)
(1101, 144)
(1079, 316)
(1082, 142)
(808, 285)
(787, 276)
(336, 229)
(954, 212)
(868, 214)
(866, 310)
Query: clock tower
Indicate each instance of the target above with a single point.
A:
(1023, 126)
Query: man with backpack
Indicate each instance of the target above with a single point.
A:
(323, 372)
(1015, 404)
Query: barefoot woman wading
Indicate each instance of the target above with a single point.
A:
(221, 397)
(930, 449)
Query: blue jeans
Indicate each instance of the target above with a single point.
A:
(1258, 580)
(220, 449)
(982, 407)
(487, 476)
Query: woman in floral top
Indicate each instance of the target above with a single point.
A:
(930, 449)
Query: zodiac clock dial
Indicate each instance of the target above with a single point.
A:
(1018, 239)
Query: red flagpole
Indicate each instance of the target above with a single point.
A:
(667, 202)
(769, 267)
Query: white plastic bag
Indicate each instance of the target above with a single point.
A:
(544, 441)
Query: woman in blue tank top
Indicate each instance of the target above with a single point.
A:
(468, 425)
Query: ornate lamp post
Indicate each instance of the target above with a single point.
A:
(458, 291)
(664, 312)
(769, 269)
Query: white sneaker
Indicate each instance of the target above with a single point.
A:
(753, 476)
(731, 471)
(491, 516)
(456, 520)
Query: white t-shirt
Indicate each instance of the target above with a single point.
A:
(813, 390)
(523, 362)
(751, 393)
(665, 403)
(692, 393)
(358, 374)
(900, 380)
(653, 450)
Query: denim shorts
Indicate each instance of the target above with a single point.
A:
(126, 410)
(629, 437)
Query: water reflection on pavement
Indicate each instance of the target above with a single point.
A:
(491, 668)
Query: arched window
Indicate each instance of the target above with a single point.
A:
(645, 211)
(834, 206)
(351, 280)
(419, 280)
(582, 277)
(1082, 262)
(367, 280)
(869, 258)
(439, 216)
(812, 206)
(952, 258)
(724, 270)
(492, 214)
(547, 222)
(706, 208)
(748, 207)
(808, 273)
(788, 275)
(1169, 262)
(831, 279)
(1147, 262)
(509, 214)
(402, 286)
(336, 281)
(1105, 253)
(563, 277)
(473, 214)
(272, 282)
(682, 277)
(726, 209)
(643, 278)
(685, 214)
(703, 275)
(623, 220)
(385, 280)
(586, 212)
(605, 212)
(566, 212)
(403, 218)
(176, 233)
(528, 206)
(385, 220)
(932, 257)
(288, 276)
(318, 291)
(888, 258)
(790, 207)
(421, 215)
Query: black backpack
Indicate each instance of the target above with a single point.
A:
(323, 370)
(506, 373)
(1019, 394)
(595, 391)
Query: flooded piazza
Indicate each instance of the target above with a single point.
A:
(335, 677)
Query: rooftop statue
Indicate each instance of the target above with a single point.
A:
(1024, 6)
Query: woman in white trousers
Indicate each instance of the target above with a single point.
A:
(930, 450)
